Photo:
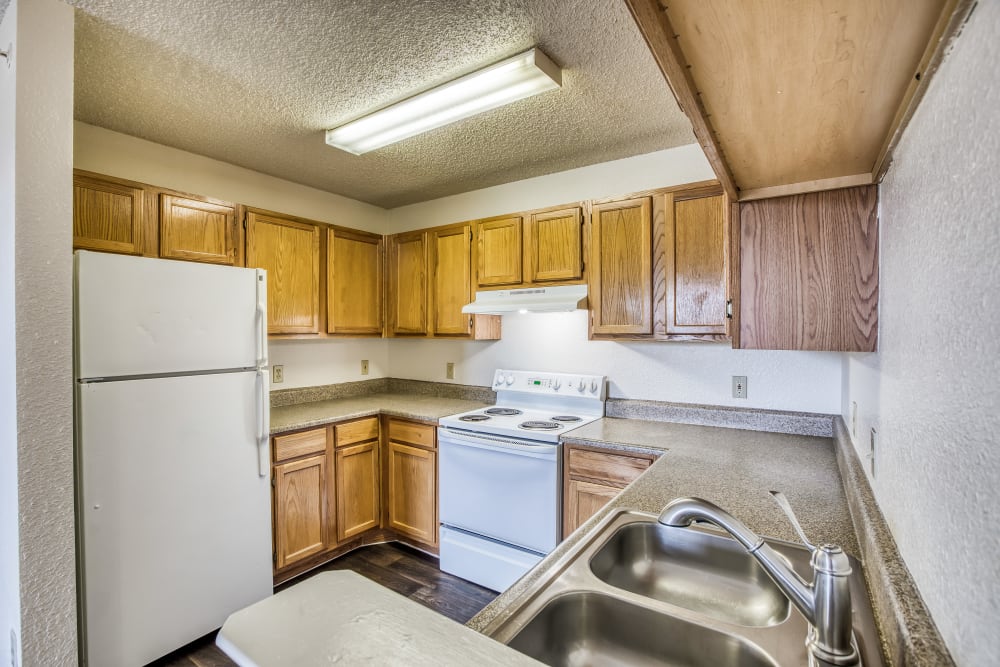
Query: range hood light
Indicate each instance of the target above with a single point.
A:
(559, 299)
(507, 81)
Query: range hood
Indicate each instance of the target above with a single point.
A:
(562, 298)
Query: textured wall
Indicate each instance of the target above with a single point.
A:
(932, 390)
(43, 265)
(679, 372)
(10, 607)
(107, 152)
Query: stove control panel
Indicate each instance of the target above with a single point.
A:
(587, 386)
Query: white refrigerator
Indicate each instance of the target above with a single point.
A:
(173, 475)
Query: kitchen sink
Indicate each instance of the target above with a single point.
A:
(595, 629)
(636, 592)
(697, 570)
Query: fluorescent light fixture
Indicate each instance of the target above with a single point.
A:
(507, 81)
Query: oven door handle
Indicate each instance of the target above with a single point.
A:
(496, 444)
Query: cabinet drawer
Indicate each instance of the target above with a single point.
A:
(415, 434)
(356, 431)
(299, 444)
(615, 469)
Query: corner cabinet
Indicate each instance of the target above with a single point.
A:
(412, 496)
(289, 251)
(357, 472)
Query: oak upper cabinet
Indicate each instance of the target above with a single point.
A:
(809, 271)
(289, 251)
(197, 230)
(357, 471)
(108, 214)
(696, 264)
(407, 292)
(554, 246)
(451, 287)
(621, 267)
(412, 496)
(301, 524)
(353, 283)
(593, 477)
(498, 251)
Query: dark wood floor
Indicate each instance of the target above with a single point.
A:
(395, 566)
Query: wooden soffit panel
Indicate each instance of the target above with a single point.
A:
(796, 92)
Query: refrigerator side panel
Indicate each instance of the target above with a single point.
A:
(176, 519)
(143, 316)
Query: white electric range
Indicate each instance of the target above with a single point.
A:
(500, 473)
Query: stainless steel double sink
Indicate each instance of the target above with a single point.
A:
(639, 593)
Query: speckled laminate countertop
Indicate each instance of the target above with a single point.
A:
(732, 468)
(410, 406)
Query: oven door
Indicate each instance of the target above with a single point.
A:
(501, 488)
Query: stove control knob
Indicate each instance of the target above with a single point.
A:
(593, 386)
(582, 385)
(510, 379)
(556, 384)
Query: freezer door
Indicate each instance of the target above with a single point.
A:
(143, 316)
(175, 521)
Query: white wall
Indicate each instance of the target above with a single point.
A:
(43, 199)
(932, 389)
(677, 372)
(308, 363)
(684, 164)
(10, 601)
(115, 154)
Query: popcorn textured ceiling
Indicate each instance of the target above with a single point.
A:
(256, 84)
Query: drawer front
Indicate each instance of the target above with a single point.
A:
(415, 434)
(356, 431)
(299, 444)
(616, 469)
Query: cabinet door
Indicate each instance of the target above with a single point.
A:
(289, 251)
(696, 266)
(809, 271)
(498, 251)
(408, 284)
(300, 526)
(107, 215)
(621, 270)
(354, 283)
(357, 489)
(413, 492)
(555, 246)
(452, 286)
(198, 231)
(584, 500)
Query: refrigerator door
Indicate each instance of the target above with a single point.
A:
(143, 316)
(174, 518)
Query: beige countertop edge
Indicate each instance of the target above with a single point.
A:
(420, 407)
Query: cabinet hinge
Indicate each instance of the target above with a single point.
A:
(729, 309)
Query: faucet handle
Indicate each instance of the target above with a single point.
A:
(786, 507)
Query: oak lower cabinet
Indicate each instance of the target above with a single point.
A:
(412, 494)
(358, 477)
(289, 250)
(593, 477)
(300, 499)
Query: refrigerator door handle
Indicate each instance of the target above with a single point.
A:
(263, 425)
(261, 318)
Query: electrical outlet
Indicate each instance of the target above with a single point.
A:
(277, 374)
(854, 419)
(871, 451)
(364, 367)
(739, 386)
(449, 370)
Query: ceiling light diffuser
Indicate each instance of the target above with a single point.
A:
(507, 81)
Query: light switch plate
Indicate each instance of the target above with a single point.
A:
(364, 367)
(277, 374)
(449, 370)
(739, 386)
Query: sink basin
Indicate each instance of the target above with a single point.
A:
(579, 629)
(706, 573)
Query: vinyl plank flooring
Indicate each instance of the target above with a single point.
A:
(400, 568)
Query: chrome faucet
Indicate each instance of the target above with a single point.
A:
(825, 603)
